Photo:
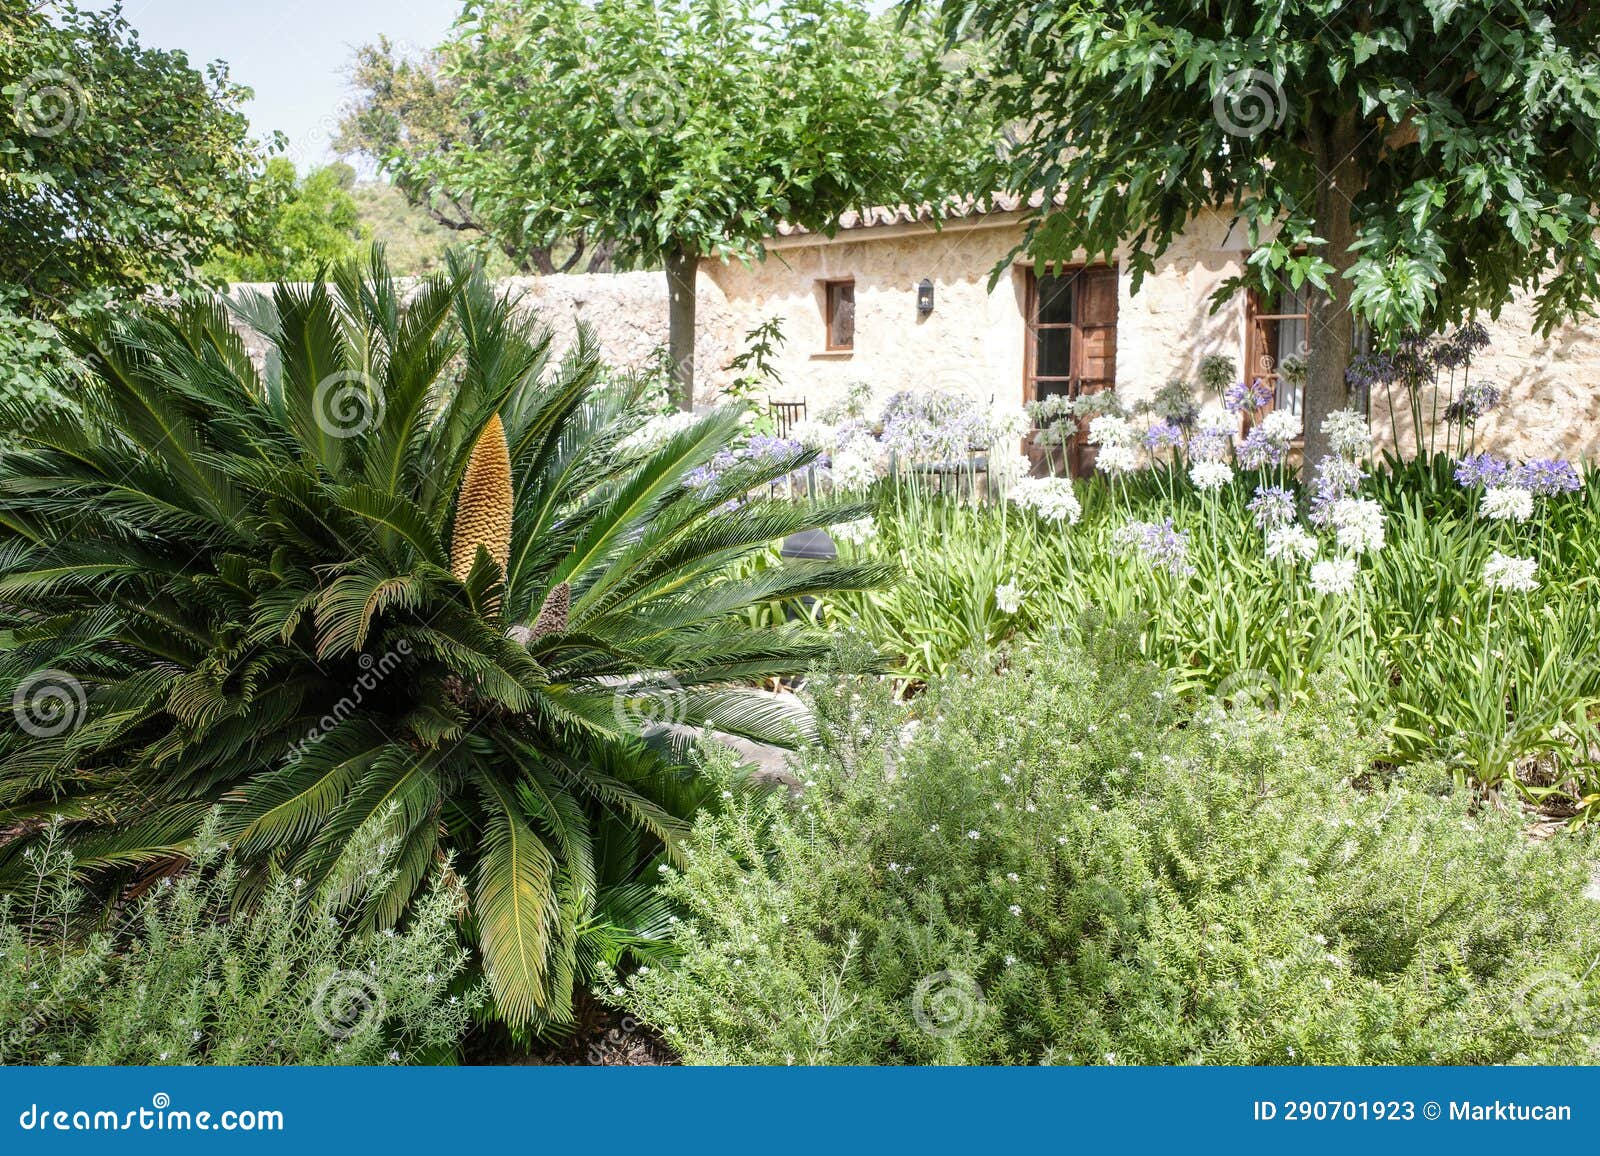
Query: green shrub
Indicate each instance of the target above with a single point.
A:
(181, 979)
(1067, 863)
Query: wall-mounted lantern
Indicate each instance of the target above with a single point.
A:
(925, 298)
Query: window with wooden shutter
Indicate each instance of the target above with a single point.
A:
(1072, 331)
(839, 314)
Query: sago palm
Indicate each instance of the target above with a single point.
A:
(408, 576)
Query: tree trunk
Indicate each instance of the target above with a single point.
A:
(681, 265)
(1331, 332)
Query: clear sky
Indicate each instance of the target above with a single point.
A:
(295, 54)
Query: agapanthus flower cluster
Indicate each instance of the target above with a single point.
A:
(1162, 435)
(936, 426)
(1358, 524)
(760, 449)
(1158, 543)
(1334, 576)
(1281, 427)
(1482, 470)
(1208, 474)
(857, 533)
(1548, 477)
(1335, 478)
(1506, 504)
(1246, 397)
(1110, 429)
(1272, 506)
(1257, 451)
(1210, 441)
(1347, 433)
(656, 432)
(1051, 498)
(1508, 572)
(1008, 597)
(1476, 399)
(1117, 459)
(1291, 543)
(854, 467)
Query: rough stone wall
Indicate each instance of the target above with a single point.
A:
(974, 340)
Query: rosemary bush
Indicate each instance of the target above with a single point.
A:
(1067, 862)
(179, 978)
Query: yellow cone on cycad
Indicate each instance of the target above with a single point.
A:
(483, 511)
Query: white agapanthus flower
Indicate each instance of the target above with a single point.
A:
(1116, 459)
(857, 533)
(1333, 576)
(1008, 597)
(1209, 475)
(1050, 498)
(656, 432)
(1359, 524)
(1291, 543)
(1347, 433)
(814, 434)
(853, 469)
(1280, 427)
(1508, 572)
(1506, 504)
(1110, 430)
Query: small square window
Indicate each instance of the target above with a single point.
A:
(839, 313)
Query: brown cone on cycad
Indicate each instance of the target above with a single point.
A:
(553, 614)
(483, 511)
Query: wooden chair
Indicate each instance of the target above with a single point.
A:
(786, 415)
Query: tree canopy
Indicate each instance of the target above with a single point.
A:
(315, 223)
(675, 131)
(1415, 161)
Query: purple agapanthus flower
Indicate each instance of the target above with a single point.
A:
(1208, 445)
(1335, 479)
(1243, 397)
(1256, 450)
(1547, 477)
(1162, 435)
(1476, 400)
(1159, 544)
(1482, 470)
(1272, 506)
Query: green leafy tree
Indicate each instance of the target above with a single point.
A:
(315, 223)
(409, 119)
(685, 130)
(260, 590)
(1414, 161)
(121, 166)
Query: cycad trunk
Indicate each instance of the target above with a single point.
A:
(483, 511)
(682, 262)
(1331, 332)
